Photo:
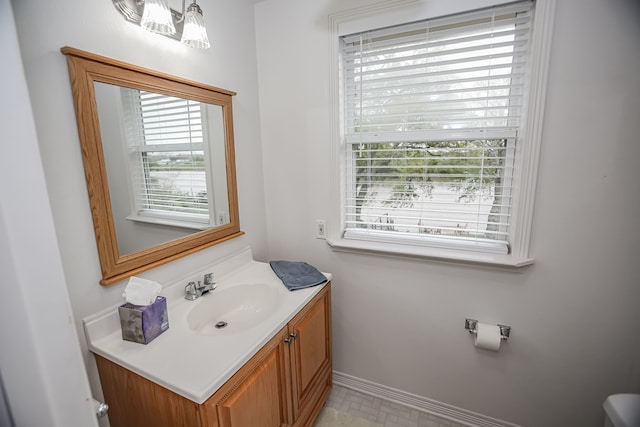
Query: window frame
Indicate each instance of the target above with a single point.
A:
(527, 156)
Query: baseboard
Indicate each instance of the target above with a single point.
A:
(439, 409)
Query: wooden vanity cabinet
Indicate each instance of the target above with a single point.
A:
(284, 384)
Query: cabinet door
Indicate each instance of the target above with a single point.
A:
(311, 356)
(257, 395)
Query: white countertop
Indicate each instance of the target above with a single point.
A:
(187, 362)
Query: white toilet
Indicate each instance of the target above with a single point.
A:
(622, 410)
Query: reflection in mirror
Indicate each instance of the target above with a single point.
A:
(165, 164)
(159, 162)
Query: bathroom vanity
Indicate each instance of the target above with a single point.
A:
(269, 367)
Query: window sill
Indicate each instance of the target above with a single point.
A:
(499, 261)
(168, 222)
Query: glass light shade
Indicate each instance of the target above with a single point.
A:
(194, 33)
(157, 17)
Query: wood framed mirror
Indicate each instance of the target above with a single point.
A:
(159, 161)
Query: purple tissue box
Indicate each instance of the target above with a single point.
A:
(143, 323)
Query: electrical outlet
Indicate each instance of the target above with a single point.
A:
(321, 229)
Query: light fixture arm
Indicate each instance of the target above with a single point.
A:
(182, 14)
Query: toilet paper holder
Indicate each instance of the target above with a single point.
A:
(472, 326)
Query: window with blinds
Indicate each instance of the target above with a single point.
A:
(431, 115)
(167, 156)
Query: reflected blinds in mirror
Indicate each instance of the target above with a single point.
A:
(167, 156)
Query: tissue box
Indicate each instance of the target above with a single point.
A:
(143, 323)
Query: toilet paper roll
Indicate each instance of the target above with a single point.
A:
(141, 291)
(487, 337)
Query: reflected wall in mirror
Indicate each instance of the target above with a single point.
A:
(159, 162)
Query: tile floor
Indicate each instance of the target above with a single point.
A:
(380, 411)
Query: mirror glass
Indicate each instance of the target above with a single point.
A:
(165, 164)
(159, 162)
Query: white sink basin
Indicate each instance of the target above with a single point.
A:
(233, 310)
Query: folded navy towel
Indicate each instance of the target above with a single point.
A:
(297, 275)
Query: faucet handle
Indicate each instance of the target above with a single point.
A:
(208, 279)
(190, 291)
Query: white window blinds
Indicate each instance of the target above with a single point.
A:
(166, 138)
(431, 116)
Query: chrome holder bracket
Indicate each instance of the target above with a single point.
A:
(472, 326)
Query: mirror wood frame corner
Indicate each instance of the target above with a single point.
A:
(85, 69)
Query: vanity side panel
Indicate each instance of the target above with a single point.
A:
(134, 401)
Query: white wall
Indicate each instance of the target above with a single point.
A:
(95, 26)
(399, 323)
(41, 366)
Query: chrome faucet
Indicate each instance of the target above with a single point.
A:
(194, 291)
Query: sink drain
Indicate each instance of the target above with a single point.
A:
(221, 324)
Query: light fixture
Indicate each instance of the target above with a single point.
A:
(194, 33)
(156, 16)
